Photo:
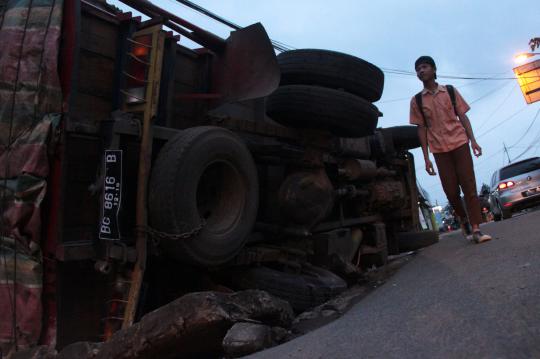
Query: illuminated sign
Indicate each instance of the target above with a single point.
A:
(528, 76)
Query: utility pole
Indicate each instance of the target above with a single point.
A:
(506, 151)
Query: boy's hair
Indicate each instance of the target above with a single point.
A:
(426, 60)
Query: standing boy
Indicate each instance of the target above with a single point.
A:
(444, 128)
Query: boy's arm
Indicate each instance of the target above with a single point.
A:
(477, 150)
(416, 118)
(461, 108)
(422, 136)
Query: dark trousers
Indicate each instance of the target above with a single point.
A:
(455, 171)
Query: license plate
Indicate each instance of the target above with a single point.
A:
(531, 192)
(112, 195)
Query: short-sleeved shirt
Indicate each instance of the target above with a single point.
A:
(445, 131)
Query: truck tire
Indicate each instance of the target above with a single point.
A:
(404, 137)
(309, 288)
(333, 70)
(338, 112)
(374, 259)
(411, 241)
(205, 176)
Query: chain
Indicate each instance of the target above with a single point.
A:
(158, 235)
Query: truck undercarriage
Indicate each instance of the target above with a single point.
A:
(223, 168)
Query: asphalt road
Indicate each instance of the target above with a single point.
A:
(455, 299)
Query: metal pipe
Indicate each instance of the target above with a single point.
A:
(209, 14)
(279, 230)
(168, 23)
(198, 35)
(277, 45)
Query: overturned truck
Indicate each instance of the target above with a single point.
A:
(225, 167)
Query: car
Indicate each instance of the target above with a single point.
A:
(483, 196)
(515, 187)
(449, 224)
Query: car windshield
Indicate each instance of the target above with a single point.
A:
(519, 168)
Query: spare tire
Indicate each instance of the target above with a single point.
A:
(411, 241)
(308, 288)
(338, 112)
(333, 70)
(204, 176)
(404, 137)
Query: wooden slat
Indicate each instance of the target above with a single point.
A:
(98, 36)
(90, 110)
(96, 75)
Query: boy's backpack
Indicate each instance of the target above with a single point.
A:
(451, 93)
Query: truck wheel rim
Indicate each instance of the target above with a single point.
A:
(221, 196)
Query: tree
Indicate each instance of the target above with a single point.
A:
(534, 43)
(485, 189)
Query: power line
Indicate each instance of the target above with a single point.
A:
(487, 94)
(484, 160)
(278, 45)
(455, 77)
(409, 97)
(497, 108)
(531, 145)
(408, 72)
(527, 130)
(500, 122)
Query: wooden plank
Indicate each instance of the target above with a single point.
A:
(96, 75)
(98, 36)
(188, 72)
(145, 161)
(81, 162)
(90, 110)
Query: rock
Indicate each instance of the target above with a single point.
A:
(279, 335)
(264, 307)
(194, 325)
(344, 269)
(80, 350)
(247, 338)
(328, 312)
(305, 316)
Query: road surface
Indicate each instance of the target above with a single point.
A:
(455, 299)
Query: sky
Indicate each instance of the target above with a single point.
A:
(474, 38)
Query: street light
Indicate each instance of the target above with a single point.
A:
(520, 58)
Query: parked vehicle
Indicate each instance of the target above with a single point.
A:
(483, 196)
(168, 161)
(449, 224)
(515, 187)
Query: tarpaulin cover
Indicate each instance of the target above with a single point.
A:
(30, 100)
